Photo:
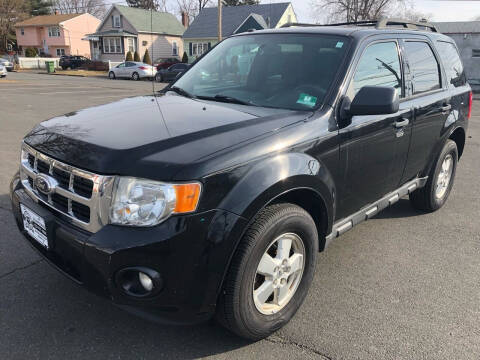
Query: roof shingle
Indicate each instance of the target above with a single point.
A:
(47, 20)
(146, 21)
(205, 24)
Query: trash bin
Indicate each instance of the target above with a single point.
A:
(50, 65)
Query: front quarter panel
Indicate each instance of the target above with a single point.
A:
(275, 176)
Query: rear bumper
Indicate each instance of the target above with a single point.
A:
(190, 253)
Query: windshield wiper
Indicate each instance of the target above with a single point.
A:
(181, 92)
(227, 99)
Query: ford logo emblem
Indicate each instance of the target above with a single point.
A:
(44, 184)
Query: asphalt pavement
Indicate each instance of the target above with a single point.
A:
(403, 285)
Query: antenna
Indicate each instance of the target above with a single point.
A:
(151, 39)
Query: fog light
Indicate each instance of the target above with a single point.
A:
(146, 281)
(139, 281)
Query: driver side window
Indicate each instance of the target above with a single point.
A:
(378, 66)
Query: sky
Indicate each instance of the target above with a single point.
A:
(440, 10)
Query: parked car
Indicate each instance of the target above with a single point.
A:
(132, 70)
(7, 63)
(72, 61)
(214, 199)
(165, 63)
(170, 74)
(3, 71)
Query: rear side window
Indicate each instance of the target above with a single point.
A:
(378, 66)
(452, 64)
(423, 67)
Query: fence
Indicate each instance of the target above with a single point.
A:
(36, 62)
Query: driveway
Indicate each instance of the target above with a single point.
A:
(404, 285)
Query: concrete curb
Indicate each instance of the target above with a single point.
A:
(74, 75)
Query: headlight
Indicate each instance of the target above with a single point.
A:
(140, 202)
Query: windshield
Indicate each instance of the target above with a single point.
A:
(289, 71)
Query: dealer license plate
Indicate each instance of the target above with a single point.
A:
(34, 225)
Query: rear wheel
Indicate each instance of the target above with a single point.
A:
(440, 181)
(135, 76)
(111, 75)
(271, 272)
(158, 77)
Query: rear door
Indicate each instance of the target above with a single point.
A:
(430, 101)
(374, 148)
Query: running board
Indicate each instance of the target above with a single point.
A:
(373, 209)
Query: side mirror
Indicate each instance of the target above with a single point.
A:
(374, 100)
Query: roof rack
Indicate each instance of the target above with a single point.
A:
(383, 23)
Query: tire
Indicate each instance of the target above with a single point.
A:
(64, 67)
(135, 76)
(111, 75)
(158, 77)
(428, 198)
(237, 310)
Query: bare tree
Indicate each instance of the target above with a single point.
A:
(157, 5)
(11, 11)
(192, 7)
(94, 7)
(406, 10)
(353, 10)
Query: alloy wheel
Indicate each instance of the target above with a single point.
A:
(279, 273)
(444, 177)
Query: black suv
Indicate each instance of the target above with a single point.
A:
(73, 61)
(217, 197)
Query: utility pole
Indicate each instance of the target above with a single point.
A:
(220, 3)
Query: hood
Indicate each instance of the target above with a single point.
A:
(153, 137)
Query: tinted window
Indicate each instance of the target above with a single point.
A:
(290, 71)
(129, 64)
(452, 63)
(423, 67)
(378, 66)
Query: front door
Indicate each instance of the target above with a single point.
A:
(374, 148)
(96, 51)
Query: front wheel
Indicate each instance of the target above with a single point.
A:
(111, 75)
(135, 76)
(440, 180)
(270, 273)
(158, 77)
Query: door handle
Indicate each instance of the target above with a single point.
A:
(446, 108)
(404, 122)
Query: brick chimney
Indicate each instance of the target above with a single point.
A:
(185, 19)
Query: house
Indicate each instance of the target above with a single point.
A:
(202, 34)
(467, 37)
(131, 29)
(56, 34)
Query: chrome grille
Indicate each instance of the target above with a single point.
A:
(83, 197)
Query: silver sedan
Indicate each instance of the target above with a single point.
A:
(3, 71)
(7, 64)
(132, 70)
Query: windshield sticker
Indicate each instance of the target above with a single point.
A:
(339, 45)
(307, 100)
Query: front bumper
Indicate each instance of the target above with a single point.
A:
(191, 254)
